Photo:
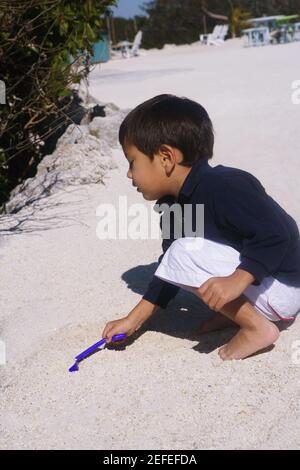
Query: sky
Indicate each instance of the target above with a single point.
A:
(128, 8)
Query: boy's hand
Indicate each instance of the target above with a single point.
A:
(132, 322)
(124, 325)
(218, 291)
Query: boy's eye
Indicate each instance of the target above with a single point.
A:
(131, 164)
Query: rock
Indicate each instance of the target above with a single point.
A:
(108, 129)
(97, 111)
(83, 155)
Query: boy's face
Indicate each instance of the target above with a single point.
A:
(149, 176)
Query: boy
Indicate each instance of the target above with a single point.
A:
(246, 266)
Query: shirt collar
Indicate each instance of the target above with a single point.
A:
(189, 183)
(192, 178)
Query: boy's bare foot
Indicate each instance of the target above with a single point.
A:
(249, 340)
(218, 322)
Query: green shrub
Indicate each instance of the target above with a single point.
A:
(37, 40)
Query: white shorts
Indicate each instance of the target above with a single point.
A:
(189, 262)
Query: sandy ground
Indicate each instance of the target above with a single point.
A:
(60, 285)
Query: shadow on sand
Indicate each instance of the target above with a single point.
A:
(182, 316)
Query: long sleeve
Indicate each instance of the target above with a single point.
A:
(241, 205)
(160, 292)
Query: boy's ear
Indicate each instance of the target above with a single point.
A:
(167, 155)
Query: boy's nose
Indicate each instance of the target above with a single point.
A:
(129, 175)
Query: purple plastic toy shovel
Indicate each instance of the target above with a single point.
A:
(93, 348)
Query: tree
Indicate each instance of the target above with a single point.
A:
(181, 21)
(176, 21)
(40, 41)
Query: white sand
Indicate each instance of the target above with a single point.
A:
(60, 284)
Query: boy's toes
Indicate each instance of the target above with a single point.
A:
(223, 353)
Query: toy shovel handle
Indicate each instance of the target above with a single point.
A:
(97, 345)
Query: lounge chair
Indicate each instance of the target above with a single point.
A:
(129, 49)
(217, 37)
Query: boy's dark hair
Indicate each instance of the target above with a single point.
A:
(168, 119)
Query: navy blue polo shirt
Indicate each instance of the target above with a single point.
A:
(237, 212)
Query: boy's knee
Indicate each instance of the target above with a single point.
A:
(184, 248)
(177, 252)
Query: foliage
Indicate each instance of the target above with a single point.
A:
(238, 21)
(42, 44)
(181, 21)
